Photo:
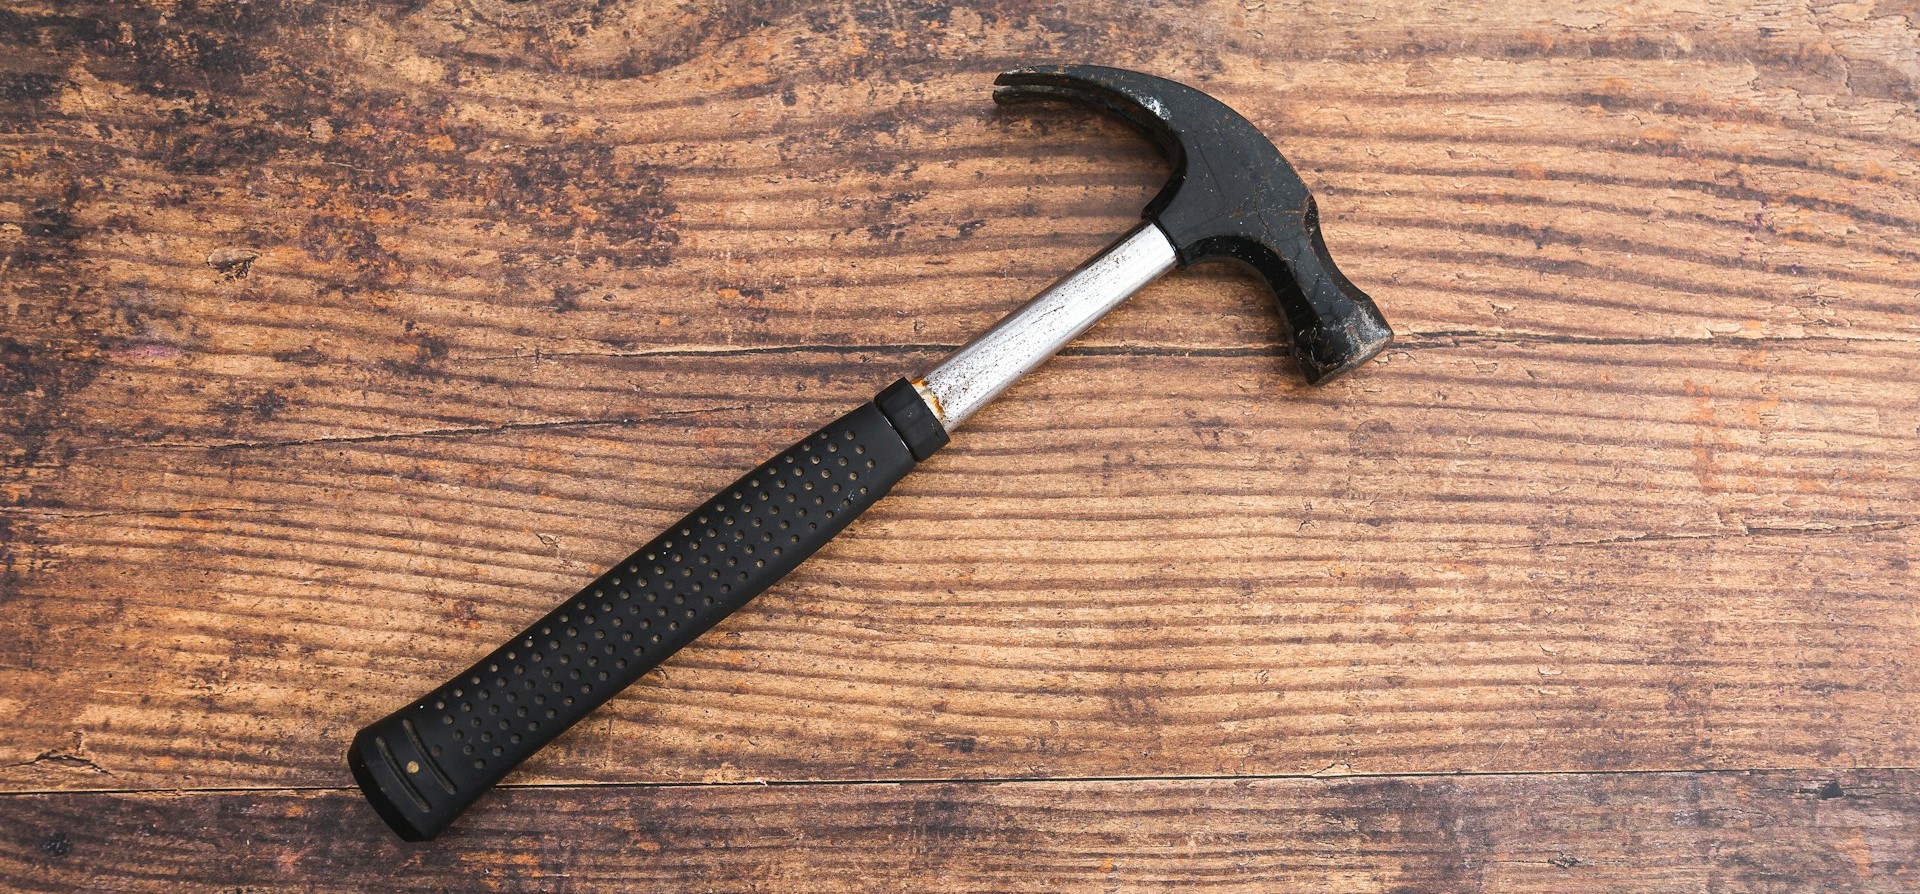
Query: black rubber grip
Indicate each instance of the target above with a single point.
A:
(426, 763)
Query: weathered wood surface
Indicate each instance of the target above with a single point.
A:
(1476, 571)
(340, 340)
(1551, 833)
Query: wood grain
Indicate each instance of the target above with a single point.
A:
(1778, 832)
(340, 340)
(1425, 569)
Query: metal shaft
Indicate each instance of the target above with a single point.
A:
(971, 377)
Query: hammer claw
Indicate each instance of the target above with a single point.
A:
(1232, 196)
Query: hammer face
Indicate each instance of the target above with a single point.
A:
(1232, 197)
(1333, 326)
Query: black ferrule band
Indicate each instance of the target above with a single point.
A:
(916, 422)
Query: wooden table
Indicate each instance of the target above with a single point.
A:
(340, 341)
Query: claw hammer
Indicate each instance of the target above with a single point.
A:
(1231, 197)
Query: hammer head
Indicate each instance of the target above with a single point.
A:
(1232, 197)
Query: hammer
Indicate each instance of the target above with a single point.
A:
(1231, 197)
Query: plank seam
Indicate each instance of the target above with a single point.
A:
(1006, 780)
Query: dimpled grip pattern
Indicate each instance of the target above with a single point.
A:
(424, 764)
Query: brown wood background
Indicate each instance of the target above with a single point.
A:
(340, 340)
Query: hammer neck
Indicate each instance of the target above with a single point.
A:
(971, 377)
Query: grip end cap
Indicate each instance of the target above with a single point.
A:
(376, 769)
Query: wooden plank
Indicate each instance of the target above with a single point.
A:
(1480, 556)
(1854, 831)
(1677, 175)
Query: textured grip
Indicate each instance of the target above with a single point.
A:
(424, 764)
